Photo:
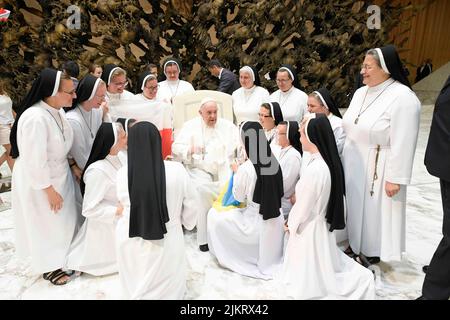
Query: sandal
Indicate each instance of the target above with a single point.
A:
(55, 276)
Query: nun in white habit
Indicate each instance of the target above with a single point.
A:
(158, 199)
(293, 101)
(321, 101)
(116, 81)
(43, 199)
(314, 267)
(290, 161)
(173, 86)
(249, 241)
(270, 116)
(85, 117)
(249, 97)
(93, 250)
(381, 124)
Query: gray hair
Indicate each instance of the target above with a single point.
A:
(374, 54)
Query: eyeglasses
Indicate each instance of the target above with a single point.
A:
(264, 115)
(367, 67)
(152, 88)
(283, 80)
(120, 84)
(69, 92)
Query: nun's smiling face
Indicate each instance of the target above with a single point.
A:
(245, 79)
(372, 72)
(265, 119)
(284, 82)
(315, 106)
(118, 84)
(151, 89)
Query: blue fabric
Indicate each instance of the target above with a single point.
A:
(228, 198)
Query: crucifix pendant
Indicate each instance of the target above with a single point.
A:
(356, 120)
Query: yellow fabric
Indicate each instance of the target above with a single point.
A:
(217, 204)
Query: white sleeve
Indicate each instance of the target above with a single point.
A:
(190, 201)
(33, 151)
(404, 129)
(339, 135)
(291, 174)
(182, 143)
(79, 148)
(241, 184)
(94, 205)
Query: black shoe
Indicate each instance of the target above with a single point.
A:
(373, 260)
(425, 269)
(203, 247)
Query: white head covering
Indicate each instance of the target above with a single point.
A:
(110, 74)
(289, 71)
(206, 100)
(149, 77)
(382, 62)
(57, 81)
(248, 70)
(94, 90)
(322, 99)
(170, 61)
(309, 117)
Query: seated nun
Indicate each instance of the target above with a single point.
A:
(321, 101)
(206, 145)
(85, 117)
(248, 98)
(173, 86)
(158, 199)
(249, 241)
(93, 249)
(270, 116)
(290, 160)
(314, 267)
(116, 81)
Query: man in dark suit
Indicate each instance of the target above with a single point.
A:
(228, 80)
(424, 70)
(436, 285)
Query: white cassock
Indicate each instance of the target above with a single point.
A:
(93, 249)
(293, 103)
(376, 224)
(246, 103)
(290, 162)
(338, 131)
(40, 233)
(314, 267)
(239, 238)
(85, 125)
(211, 170)
(156, 269)
(170, 89)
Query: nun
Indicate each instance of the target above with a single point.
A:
(293, 101)
(158, 200)
(126, 124)
(314, 267)
(116, 81)
(43, 198)
(270, 116)
(290, 161)
(320, 101)
(173, 86)
(249, 241)
(93, 249)
(249, 97)
(381, 127)
(148, 87)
